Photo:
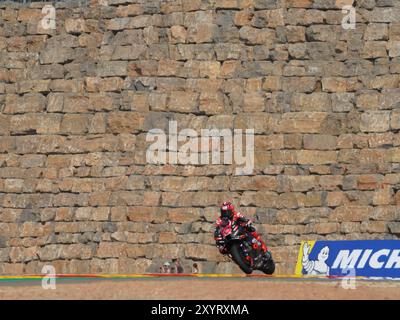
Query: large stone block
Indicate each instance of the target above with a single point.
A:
(202, 33)
(75, 26)
(316, 157)
(22, 104)
(318, 101)
(319, 141)
(112, 68)
(378, 121)
(125, 122)
(56, 54)
(351, 213)
(302, 122)
(254, 36)
(183, 101)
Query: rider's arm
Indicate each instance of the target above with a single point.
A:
(242, 219)
(219, 241)
(247, 222)
(217, 232)
(217, 236)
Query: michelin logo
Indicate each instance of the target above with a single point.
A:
(383, 258)
(315, 267)
(369, 258)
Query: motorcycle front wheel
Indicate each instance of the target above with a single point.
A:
(239, 258)
(269, 267)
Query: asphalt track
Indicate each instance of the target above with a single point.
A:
(197, 287)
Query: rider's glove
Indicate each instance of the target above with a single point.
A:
(250, 227)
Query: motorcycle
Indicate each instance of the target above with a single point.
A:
(245, 250)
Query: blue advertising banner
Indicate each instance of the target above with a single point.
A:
(365, 258)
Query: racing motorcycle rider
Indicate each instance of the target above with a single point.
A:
(228, 213)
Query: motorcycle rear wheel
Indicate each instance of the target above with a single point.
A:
(239, 258)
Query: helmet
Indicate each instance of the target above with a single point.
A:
(227, 210)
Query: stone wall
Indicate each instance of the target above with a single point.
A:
(77, 101)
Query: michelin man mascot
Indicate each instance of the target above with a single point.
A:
(316, 267)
